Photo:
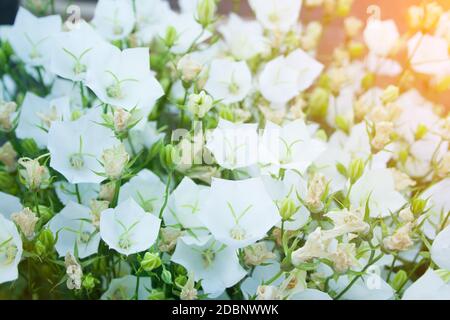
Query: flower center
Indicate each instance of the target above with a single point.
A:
(8, 254)
(117, 30)
(208, 257)
(237, 233)
(114, 91)
(84, 237)
(77, 161)
(79, 68)
(35, 54)
(124, 242)
(233, 88)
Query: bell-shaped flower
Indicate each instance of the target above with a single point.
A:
(123, 78)
(72, 51)
(152, 18)
(76, 148)
(9, 204)
(244, 39)
(214, 264)
(128, 229)
(438, 205)
(234, 145)
(440, 250)
(125, 288)
(228, 81)
(75, 231)
(37, 115)
(292, 187)
(189, 32)
(377, 187)
(430, 286)
(285, 77)
(146, 189)
(381, 36)
(370, 286)
(429, 54)
(291, 146)
(238, 213)
(10, 250)
(277, 15)
(183, 208)
(68, 192)
(31, 37)
(114, 19)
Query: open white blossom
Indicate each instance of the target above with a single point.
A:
(128, 228)
(10, 250)
(123, 78)
(38, 114)
(228, 81)
(440, 250)
(428, 287)
(234, 145)
(146, 189)
(31, 37)
(75, 231)
(429, 54)
(284, 77)
(277, 15)
(114, 19)
(245, 39)
(216, 265)
(238, 213)
(75, 153)
(73, 50)
(381, 36)
(377, 187)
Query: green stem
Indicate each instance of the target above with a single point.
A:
(166, 195)
(116, 194)
(77, 190)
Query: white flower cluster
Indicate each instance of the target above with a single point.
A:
(157, 154)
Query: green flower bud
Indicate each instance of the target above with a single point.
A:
(170, 37)
(168, 157)
(166, 276)
(287, 209)
(318, 102)
(206, 10)
(7, 49)
(29, 148)
(89, 282)
(355, 170)
(399, 279)
(322, 135)
(157, 294)
(47, 238)
(418, 206)
(226, 113)
(150, 261)
(342, 123)
(181, 280)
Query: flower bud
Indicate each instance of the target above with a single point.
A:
(168, 156)
(107, 191)
(390, 94)
(114, 161)
(344, 7)
(188, 291)
(368, 81)
(400, 278)
(355, 170)
(121, 120)
(318, 102)
(415, 17)
(89, 282)
(157, 294)
(7, 109)
(150, 261)
(166, 276)
(287, 209)
(206, 10)
(8, 156)
(26, 220)
(188, 68)
(73, 271)
(170, 37)
(383, 132)
(356, 49)
(352, 26)
(200, 104)
(35, 176)
(418, 206)
(97, 207)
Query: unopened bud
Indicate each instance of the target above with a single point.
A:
(390, 94)
(150, 261)
(355, 170)
(114, 161)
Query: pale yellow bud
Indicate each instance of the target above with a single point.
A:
(352, 26)
(257, 254)
(26, 220)
(200, 104)
(8, 156)
(7, 110)
(406, 215)
(188, 68)
(97, 207)
(107, 191)
(267, 293)
(400, 240)
(390, 94)
(35, 176)
(383, 132)
(121, 120)
(114, 161)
